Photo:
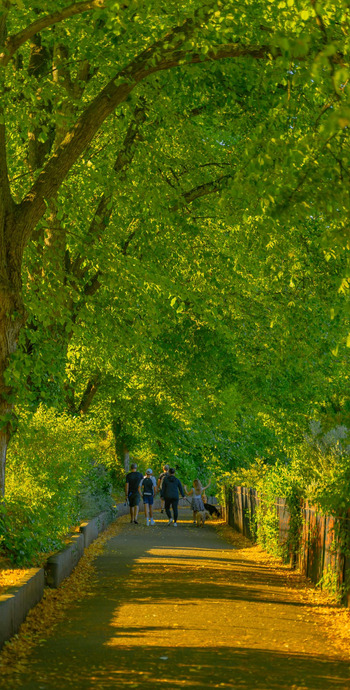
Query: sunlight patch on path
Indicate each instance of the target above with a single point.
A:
(235, 614)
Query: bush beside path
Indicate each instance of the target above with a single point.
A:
(185, 607)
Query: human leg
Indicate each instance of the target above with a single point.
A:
(167, 504)
(175, 502)
(150, 503)
(134, 500)
(137, 506)
(132, 507)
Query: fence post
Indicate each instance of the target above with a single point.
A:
(346, 567)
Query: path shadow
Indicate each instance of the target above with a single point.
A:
(96, 648)
(153, 668)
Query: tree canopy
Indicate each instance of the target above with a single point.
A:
(174, 220)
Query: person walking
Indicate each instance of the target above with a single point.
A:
(171, 488)
(160, 484)
(148, 488)
(132, 494)
(197, 501)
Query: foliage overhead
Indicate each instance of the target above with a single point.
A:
(174, 222)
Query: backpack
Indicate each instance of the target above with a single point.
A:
(147, 486)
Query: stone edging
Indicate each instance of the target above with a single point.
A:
(19, 599)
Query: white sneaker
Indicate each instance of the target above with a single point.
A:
(175, 524)
(170, 521)
(151, 522)
(147, 522)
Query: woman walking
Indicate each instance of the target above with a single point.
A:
(197, 501)
(160, 484)
(170, 492)
(148, 488)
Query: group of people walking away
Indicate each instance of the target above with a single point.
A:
(138, 486)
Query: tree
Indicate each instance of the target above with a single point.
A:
(97, 58)
(18, 221)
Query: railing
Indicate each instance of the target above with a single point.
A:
(315, 547)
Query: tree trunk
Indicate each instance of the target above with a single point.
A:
(11, 321)
(122, 443)
(11, 317)
(125, 458)
(89, 393)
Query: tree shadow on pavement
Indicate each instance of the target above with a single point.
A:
(162, 618)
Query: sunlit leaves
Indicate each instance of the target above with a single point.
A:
(208, 251)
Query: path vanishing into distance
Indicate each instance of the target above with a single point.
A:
(182, 607)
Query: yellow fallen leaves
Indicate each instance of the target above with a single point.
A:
(333, 619)
(42, 619)
(10, 576)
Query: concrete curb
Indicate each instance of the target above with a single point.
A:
(92, 528)
(18, 600)
(61, 564)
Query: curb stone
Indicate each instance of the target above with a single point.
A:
(61, 564)
(17, 601)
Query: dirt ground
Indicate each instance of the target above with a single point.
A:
(183, 607)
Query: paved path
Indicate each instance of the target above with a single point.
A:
(176, 608)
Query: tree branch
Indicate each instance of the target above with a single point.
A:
(203, 190)
(93, 285)
(320, 22)
(89, 393)
(14, 42)
(90, 288)
(122, 161)
(126, 243)
(158, 57)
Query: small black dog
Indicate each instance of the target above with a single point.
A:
(212, 510)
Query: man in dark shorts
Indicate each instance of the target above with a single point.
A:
(132, 491)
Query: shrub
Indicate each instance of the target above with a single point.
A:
(54, 479)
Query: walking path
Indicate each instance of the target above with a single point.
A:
(175, 608)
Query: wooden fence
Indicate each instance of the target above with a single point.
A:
(314, 547)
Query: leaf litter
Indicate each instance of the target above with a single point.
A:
(41, 621)
(333, 618)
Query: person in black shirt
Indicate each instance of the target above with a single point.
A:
(132, 491)
(170, 492)
(160, 484)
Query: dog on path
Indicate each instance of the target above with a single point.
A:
(212, 510)
(201, 517)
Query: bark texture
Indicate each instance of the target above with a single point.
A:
(11, 321)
